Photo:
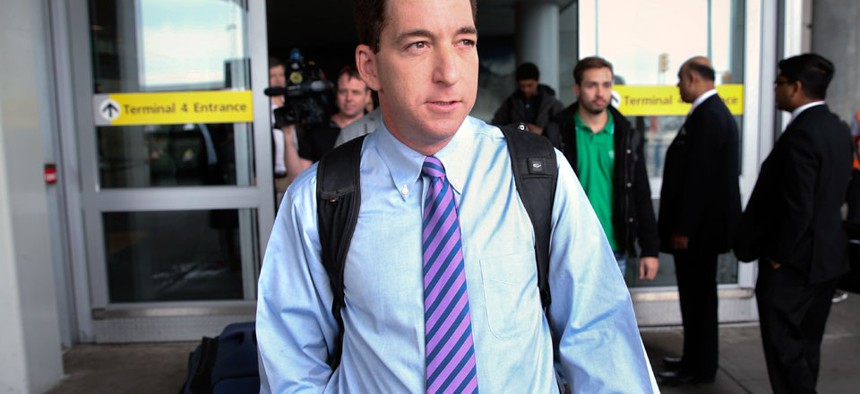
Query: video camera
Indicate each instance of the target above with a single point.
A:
(306, 95)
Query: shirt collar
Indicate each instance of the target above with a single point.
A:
(701, 99)
(804, 107)
(608, 128)
(404, 164)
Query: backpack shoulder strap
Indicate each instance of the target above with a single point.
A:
(535, 173)
(338, 202)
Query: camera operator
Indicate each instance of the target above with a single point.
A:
(352, 96)
(278, 79)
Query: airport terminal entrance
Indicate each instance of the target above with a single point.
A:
(170, 135)
(173, 146)
(647, 43)
(646, 52)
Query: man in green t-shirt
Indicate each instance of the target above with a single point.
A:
(607, 154)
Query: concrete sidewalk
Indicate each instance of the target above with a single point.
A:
(742, 366)
(161, 368)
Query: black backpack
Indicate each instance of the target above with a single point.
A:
(338, 202)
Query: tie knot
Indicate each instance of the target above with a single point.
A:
(433, 168)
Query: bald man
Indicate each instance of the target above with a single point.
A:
(700, 208)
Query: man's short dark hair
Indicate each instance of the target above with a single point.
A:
(275, 62)
(528, 71)
(812, 70)
(349, 71)
(370, 18)
(589, 63)
(703, 70)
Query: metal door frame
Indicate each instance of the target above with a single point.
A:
(657, 306)
(97, 319)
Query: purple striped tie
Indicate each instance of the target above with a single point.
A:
(448, 324)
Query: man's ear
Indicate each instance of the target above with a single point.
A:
(798, 87)
(365, 61)
(575, 89)
(688, 79)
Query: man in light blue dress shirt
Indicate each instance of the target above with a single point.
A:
(421, 56)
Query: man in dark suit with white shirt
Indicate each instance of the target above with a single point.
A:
(699, 211)
(793, 225)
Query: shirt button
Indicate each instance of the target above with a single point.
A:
(629, 184)
(630, 220)
(629, 151)
(405, 190)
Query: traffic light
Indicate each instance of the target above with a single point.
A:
(663, 62)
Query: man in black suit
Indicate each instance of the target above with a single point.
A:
(793, 225)
(699, 211)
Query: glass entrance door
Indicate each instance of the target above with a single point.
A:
(175, 164)
(647, 42)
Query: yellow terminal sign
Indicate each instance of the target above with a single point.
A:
(126, 109)
(661, 100)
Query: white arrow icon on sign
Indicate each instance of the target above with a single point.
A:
(109, 109)
(615, 99)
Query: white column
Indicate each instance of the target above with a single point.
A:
(836, 36)
(793, 38)
(537, 39)
(30, 350)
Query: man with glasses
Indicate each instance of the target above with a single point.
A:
(793, 225)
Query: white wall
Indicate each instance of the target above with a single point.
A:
(30, 351)
(537, 39)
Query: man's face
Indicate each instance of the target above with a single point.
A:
(277, 78)
(352, 95)
(685, 85)
(595, 90)
(782, 91)
(426, 70)
(528, 87)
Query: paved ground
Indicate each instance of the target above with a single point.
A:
(161, 368)
(137, 368)
(742, 366)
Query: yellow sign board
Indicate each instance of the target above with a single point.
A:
(125, 109)
(633, 100)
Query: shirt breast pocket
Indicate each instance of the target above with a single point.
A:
(510, 293)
